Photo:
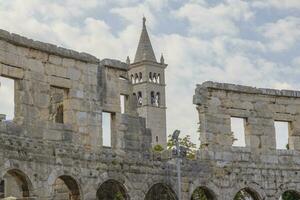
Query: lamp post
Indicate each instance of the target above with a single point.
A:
(175, 138)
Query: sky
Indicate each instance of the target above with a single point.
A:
(253, 43)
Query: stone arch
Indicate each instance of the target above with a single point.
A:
(248, 193)
(289, 194)
(71, 183)
(16, 183)
(161, 191)
(252, 187)
(112, 189)
(203, 193)
(290, 186)
(66, 187)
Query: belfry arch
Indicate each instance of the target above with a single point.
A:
(112, 189)
(161, 191)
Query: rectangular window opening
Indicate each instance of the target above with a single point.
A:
(282, 134)
(238, 130)
(123, 99)
(7, 100)
(106, 128)
(56, 109)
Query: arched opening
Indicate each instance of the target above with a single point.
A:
(203, 193)
(158, 78)
(152, 96)
(247, 194)
(15, 184)
(132, 79)
(112, 190)
(65, 188)
(136, 78)
(150, 76)
(154, 79)
(160, 191)
(140, 98)
(290, 195)
(157, 99)
(140, 77)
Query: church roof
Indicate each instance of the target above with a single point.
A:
(144, 50)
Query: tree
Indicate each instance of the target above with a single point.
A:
(290, 195)
(184, 142)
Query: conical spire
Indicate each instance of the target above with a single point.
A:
(144, 50)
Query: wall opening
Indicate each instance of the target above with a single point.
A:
(112, 189)
(282, 134)
(56, 108)
(107, 119)
(140, 99)
(2, 189)
(156, 139)
(203, 193)
(123, 102)
(247, 193)
(238, 131)
(15, 184)
(66, 188)
(7, 100)
(160, 191)
(290, 195)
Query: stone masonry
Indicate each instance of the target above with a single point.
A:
(53, 148)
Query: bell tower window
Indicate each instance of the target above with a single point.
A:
(140, 99)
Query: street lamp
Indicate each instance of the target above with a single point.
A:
(175, 138)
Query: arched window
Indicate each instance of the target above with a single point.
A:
(132, 79)
(112, 189)
(140, 99)
(160, 191)
(140, 77)
(136, 78)
(158, 78)
(156, 139)
(150, 76)
(157, 99)
(152, 96)
(247, 193)
(154, 78)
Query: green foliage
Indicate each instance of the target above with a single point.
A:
(199, 194)
(119, 196)
(287, 146)
(158, 148)
(290, 195)
(185, 142)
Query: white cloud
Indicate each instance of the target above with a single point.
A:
(278, 4)
(282, 34)
(215, 20)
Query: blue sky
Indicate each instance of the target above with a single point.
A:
(244, 42)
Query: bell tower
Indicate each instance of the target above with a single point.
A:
(148, 79)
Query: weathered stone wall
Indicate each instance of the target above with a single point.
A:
(36, 151)
(259, 165)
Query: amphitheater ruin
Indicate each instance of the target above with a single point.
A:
(53, 148)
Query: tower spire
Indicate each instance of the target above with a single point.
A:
(144, 50)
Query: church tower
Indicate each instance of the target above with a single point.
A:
(148, 79)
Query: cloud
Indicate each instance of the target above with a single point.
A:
(215, 20)
(282, 34)
(278, 4)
